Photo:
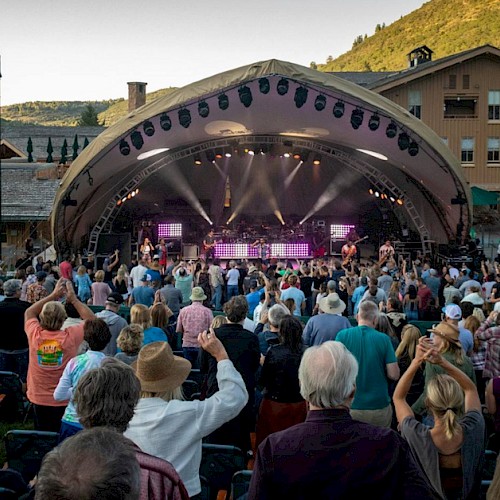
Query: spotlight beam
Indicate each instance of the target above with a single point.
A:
(292, 175)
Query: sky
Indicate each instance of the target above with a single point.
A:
(68, 50)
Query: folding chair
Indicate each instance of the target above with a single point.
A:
(218, 464)
(240, 483)
(25, 450)
(484, 489)
(6, 494)
(489, 465)
(195, 374)
(189, 387)
(13, 404)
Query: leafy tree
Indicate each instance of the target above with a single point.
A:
(313, 65)
(329, 59)
(89, 117)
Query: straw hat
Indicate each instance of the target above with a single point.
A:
(197, 294)
(331, 304)
(158, 369)
(448, 332)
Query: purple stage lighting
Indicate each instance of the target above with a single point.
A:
(166, 230)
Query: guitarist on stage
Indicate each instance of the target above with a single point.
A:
(209, 245)
(386, 252)
(348, 252)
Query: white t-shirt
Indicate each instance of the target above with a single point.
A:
(233, 275)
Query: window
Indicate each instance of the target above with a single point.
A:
(452, 81)
(415, 103)
(467, 147)
(493, 149)
(466, 82)
(460, 107)
(494, 105)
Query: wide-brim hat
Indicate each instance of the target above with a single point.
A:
(252, 269)
(158, 369)
(332, 304)
(448, 332)
(197, 294)
(473, 298)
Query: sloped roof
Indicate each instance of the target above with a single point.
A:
(18, 136)
(363, 78)
(426, 68)
(24, 196)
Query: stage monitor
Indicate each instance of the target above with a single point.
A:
(340, 231)
(167, 230)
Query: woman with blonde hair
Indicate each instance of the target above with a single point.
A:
(218, 321)
(445, 341)
(129, 342)
(450, 453)
(100, 290)
(120, 282)
(83, 284)
(140, 315)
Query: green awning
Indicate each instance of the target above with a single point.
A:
(481, 197)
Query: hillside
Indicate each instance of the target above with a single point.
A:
(51, 113)
(120, 109)
(445, 26)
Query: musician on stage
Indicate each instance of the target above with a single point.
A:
(348, 252)
(263, 249)
(209, 243)
(386, 252)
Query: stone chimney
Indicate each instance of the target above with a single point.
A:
(136, 95)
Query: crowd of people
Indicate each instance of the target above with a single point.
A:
(325, 361)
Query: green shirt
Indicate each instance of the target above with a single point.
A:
(373, 351)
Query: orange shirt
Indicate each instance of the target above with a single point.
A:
(49, 353)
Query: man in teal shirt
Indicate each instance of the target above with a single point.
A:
(377, 362)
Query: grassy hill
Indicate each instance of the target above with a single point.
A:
(120, 109)
(445, 26)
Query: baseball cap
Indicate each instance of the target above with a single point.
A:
(156, 257)
(385, 269)
(115, 298)
(453, 311)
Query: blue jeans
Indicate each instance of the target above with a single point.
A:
(191, 354)
(16, 361)
(217, 297)
(232, 291)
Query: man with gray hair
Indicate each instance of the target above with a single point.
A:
(330, 455)
(377, 363)
(273, 316)
(13, 342)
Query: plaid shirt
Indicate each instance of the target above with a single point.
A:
(491, 333)
(478, 357)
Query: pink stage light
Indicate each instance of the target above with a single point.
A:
(278, 250)
(340, 231)
(166, 230)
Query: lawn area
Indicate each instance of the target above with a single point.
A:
(8, 426)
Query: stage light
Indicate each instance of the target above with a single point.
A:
(148, 128)
(228, 155)
(119, 202)
(124, 147)
(264, 86)
(377, 194)
(338, 109)
(374, 122)
(223, 102)
(391, 130)
(251, 152)
(197, 160)
(219, 154)
(356, 118)
(320, 103)
(403, 141)
(165, 122)
(300, 96)
(286, 155)
(210, 154)
(399, 201)
(264, 148)
(317, 160)
(203, 109)
(296, 155)
(392, 198)
(184, 117)
(370, 191)
(413, 148)
(129, 196)
(282, 86)
(245, 96)
(137, 139)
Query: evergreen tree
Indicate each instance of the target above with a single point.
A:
(89, 117)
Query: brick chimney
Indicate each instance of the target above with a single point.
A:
(136, 95)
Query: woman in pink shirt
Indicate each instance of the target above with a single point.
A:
(100, 290)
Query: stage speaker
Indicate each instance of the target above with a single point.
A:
(109, 242)
(190, 252)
